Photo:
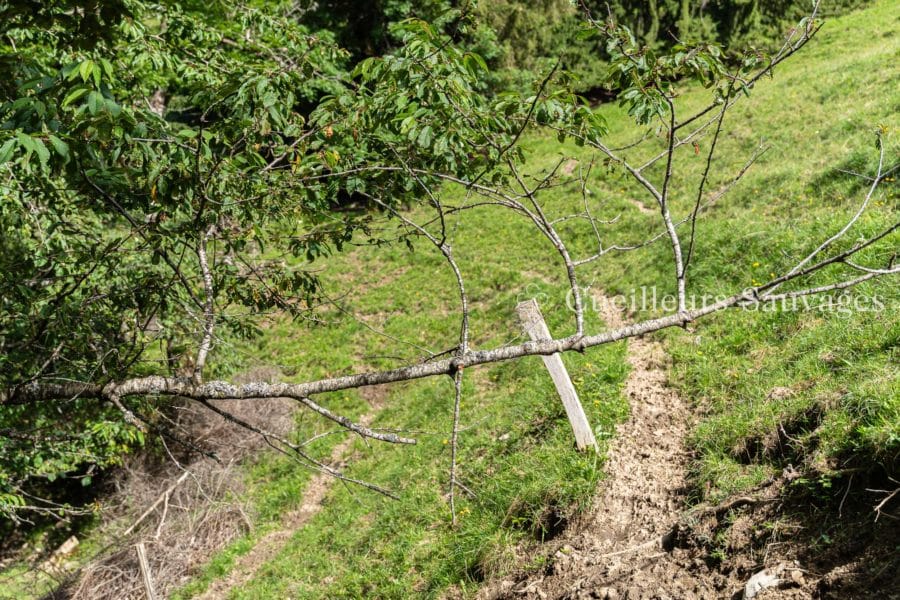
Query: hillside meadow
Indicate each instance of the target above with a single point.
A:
(826, 376)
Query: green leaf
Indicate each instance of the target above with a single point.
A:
(107, 68)
(425, 137)
(60, 146)
(25, 141)
(85, 69)
(95, 101)
(113, 108)
(70, 72)
(6, 150)
(474, 62)
(73, 96)
(41, 150)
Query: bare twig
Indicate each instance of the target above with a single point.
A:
(209, 314)
(164, 496)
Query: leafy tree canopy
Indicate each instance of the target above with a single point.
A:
(134, 134)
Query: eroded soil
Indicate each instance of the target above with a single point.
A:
(640, 541)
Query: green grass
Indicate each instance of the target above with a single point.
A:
(518, 460)
(829, 379)
(517, 454)
(20, 581)
(817, 388)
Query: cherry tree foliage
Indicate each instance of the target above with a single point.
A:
(159, 175)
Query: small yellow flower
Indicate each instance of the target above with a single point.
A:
(755, 264)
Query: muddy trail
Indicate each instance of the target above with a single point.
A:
(640, 541)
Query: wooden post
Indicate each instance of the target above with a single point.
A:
(145, 571)
(533, 322)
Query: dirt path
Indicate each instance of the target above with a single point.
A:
(268, 547)
(639, 541)
(620, 548)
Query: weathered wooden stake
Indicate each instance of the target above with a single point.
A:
(145, 571)
(533, 322)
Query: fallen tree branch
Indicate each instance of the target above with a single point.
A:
(153, 506)
(42, 391)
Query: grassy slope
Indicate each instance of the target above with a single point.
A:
(840, 396)
(818, 115)
(517, 453)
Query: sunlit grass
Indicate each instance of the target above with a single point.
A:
(829, 378)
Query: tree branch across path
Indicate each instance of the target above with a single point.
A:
(222, 390)
(146, 236)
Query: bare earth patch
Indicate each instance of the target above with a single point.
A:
(616, 549)
(639, 540)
